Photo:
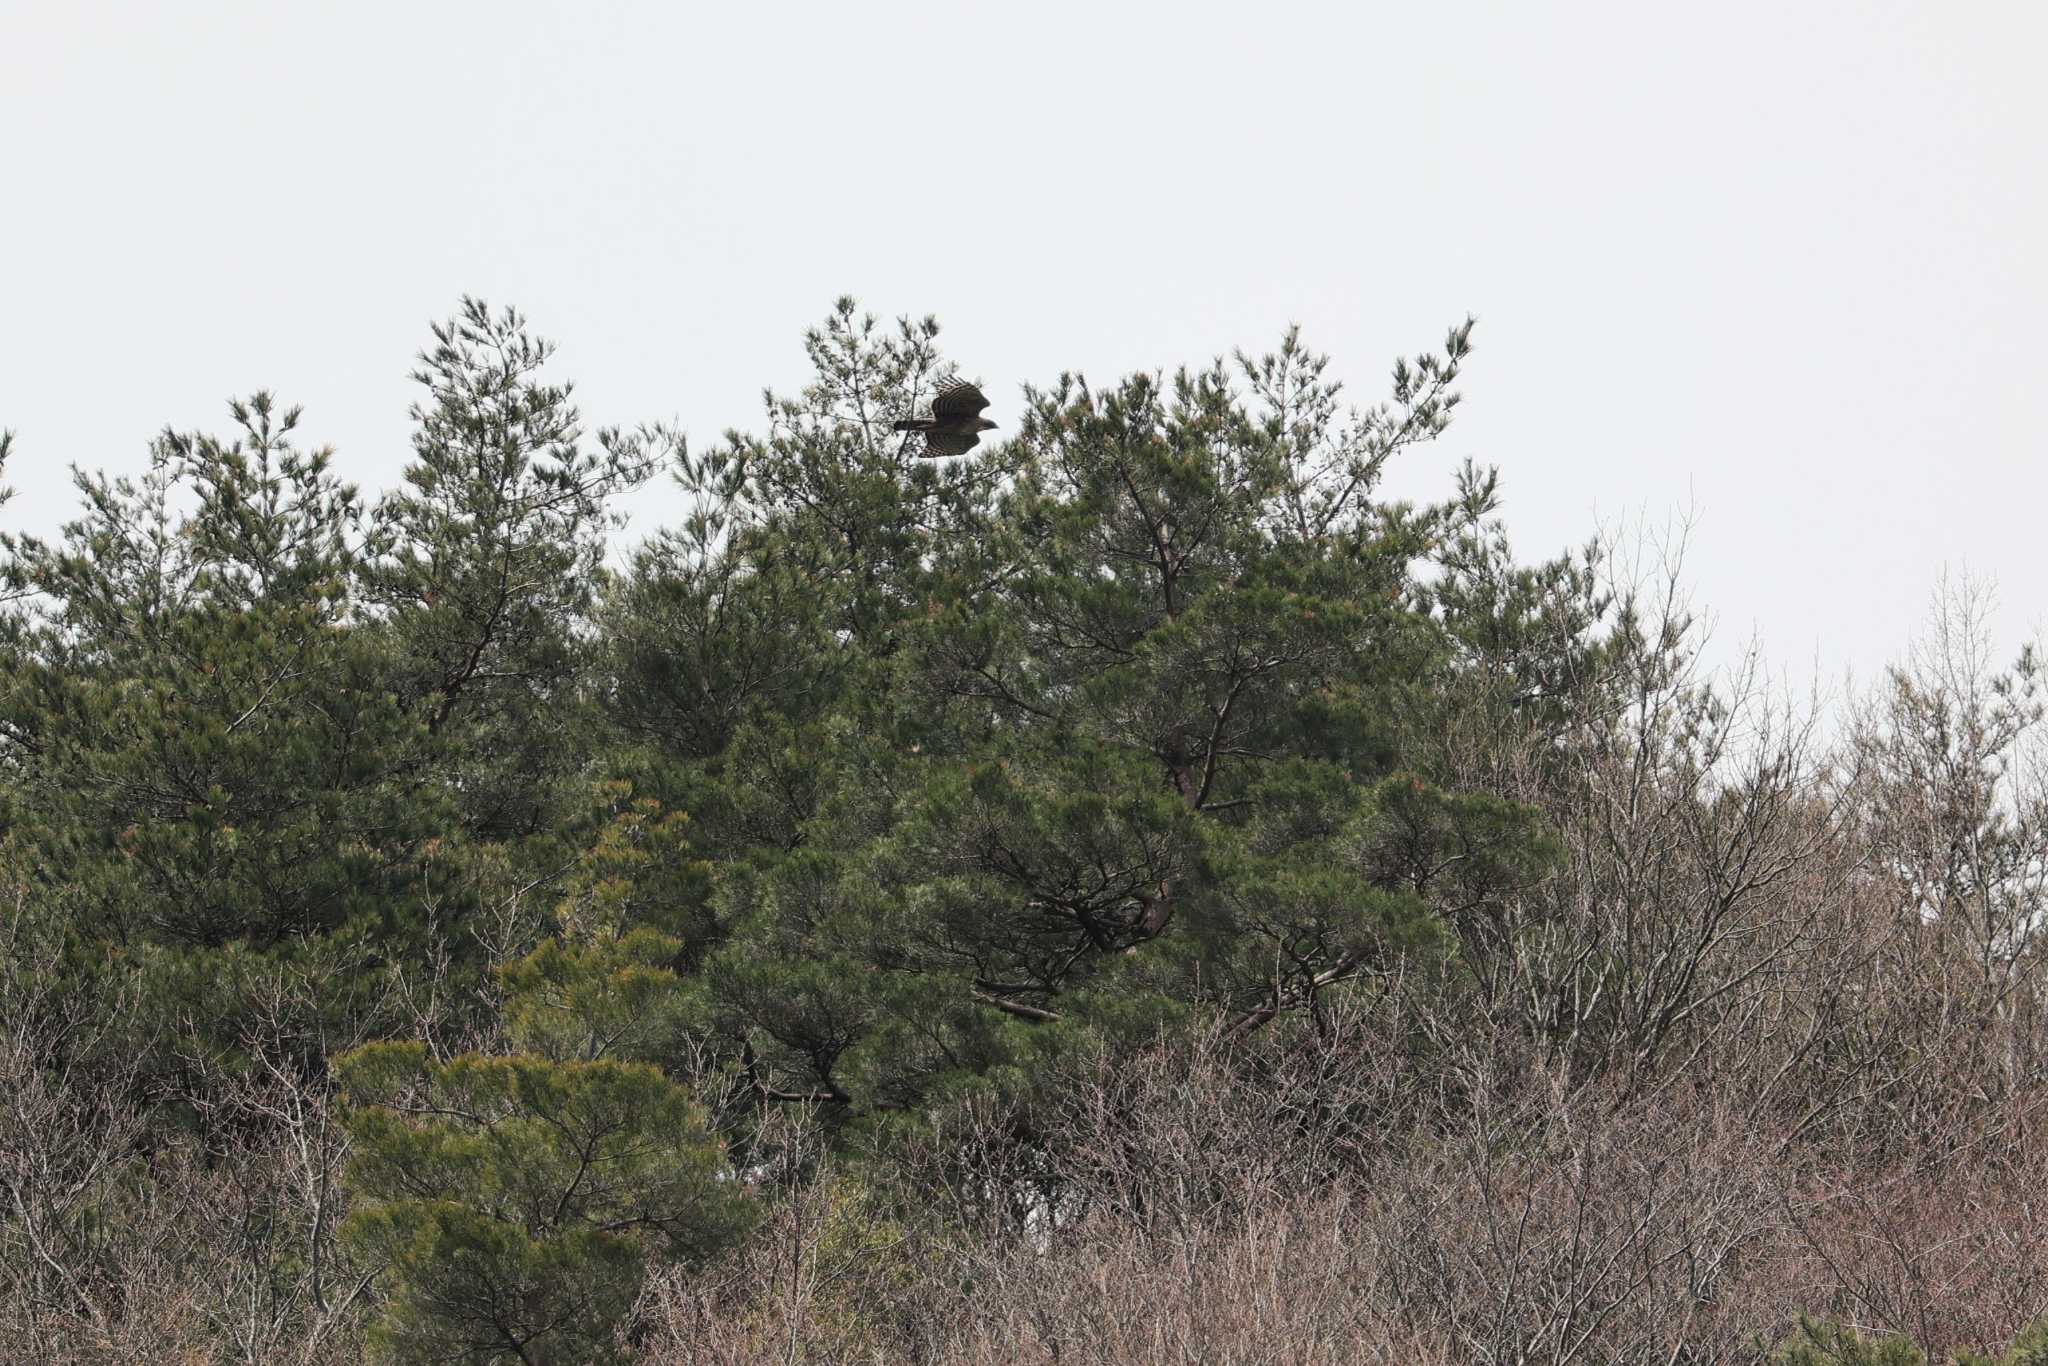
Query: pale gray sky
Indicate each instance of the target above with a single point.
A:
(1777, 263)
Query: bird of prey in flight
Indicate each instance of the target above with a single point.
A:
(956, 423)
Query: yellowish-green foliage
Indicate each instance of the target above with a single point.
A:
(513, 1200)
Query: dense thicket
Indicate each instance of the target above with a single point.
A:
(939, 910)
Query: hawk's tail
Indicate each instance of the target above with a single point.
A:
(917, 424)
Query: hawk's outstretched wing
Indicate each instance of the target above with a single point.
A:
(947, 442)
(958, 401)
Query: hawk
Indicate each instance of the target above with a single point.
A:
(956, 423)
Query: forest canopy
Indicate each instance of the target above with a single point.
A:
(870, 913)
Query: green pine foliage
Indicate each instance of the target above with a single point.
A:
(513, 1200)
(1818, 1343)
(2030, 1348)
(268, 733)
(205, 747)
(879, 785)
(1829, 1344)
(1128, 717)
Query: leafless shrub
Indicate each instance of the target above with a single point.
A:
(120, 1241)
(1952, 804)
(831, 1275)
(1950, 1248)
(1293, 1283)
(67, 1131)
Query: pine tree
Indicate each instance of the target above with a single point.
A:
(513, 1200)
(269, 734)
(1120, 719)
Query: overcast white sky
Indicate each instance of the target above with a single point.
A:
(1780, 264)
